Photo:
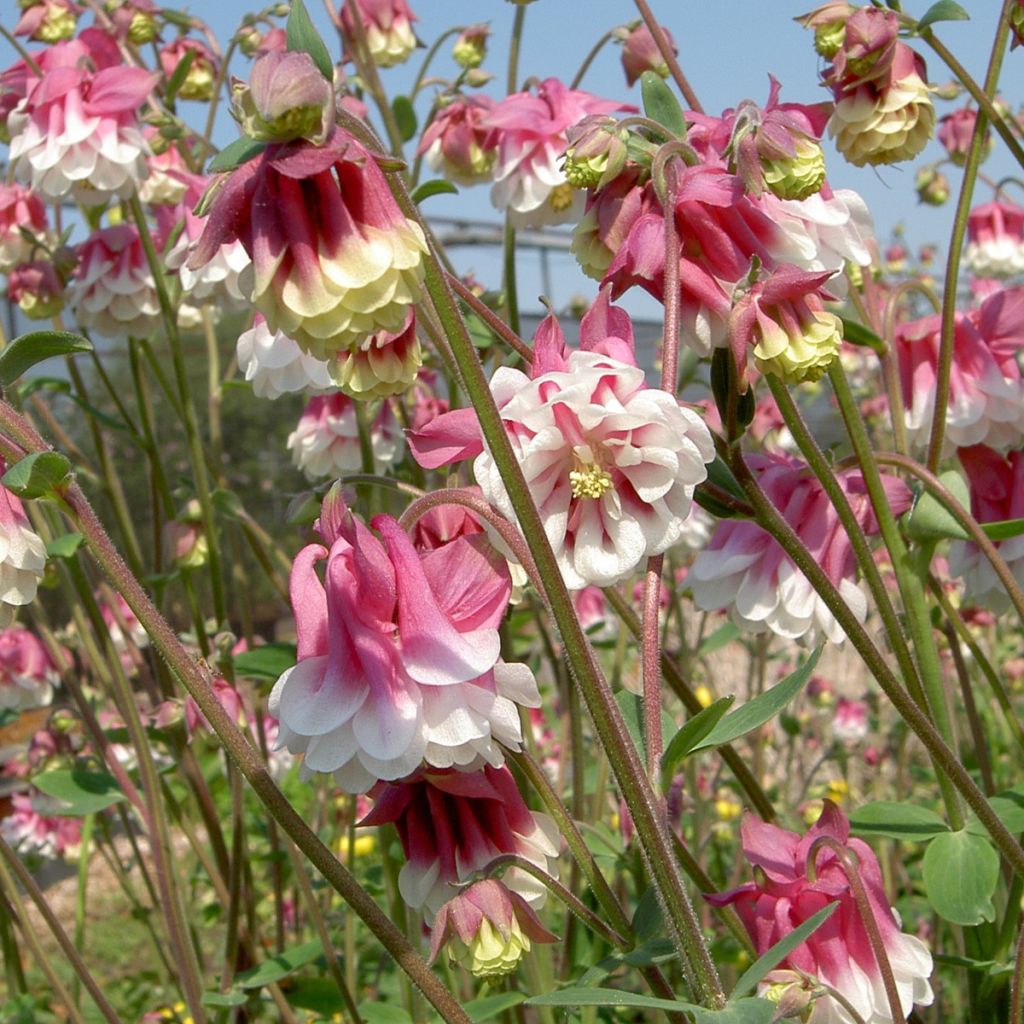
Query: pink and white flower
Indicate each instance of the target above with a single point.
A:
(458, 144)
(35, 831)
(995, 239)
(325, 442)
(398, 655)
(113, 292)
(20, 210)
(77, 131)
(453, 824)
(997, 493)
(745, 570)
(531, 140)
(986, 388)
(275, 365)
(640, 52)
(22, 557)
(850, 722)
(37, 289)
(27, 673)
(390, 37)
(795, 879)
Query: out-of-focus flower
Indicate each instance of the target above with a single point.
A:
(22, 557)
(995, 239)
(185, 540)
(470, 49)
(113, 292)
(27, 673)
(829, 24)
(956, 131)
(135, 20)
(168, 179)
(458, 144)
(796, 877)
(275, 365)
(334, 258)
(986, 389)
(35, 831)
(201, 76)
(398, 655)
(77, 131)
(229, 699)
(48, 21)
(745, 570)
(640, 52)
(384, 364)
(487, 928)
(325, 442)
(531, 139)
(850, 723)
(932, 186)
(453, 824)
(388, 27)
(997, 493)
(20, 211)
(37, 289)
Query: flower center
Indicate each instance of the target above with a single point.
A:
(589, 481)
(561, 197)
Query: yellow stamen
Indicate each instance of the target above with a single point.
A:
(590, 481)
(561, 197)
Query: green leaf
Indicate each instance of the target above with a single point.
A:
(383, 1013)
(227, 503)
(302, 37)
(236, 153)
(318, 995)
(632, 708)
(725, 634)
(744, 1011)
(488, 1007)
(405, 117)
(648, 920)
(434, 187)
(766, 963)
(178, 75)
(1009, 808)
(8, 715)
(266, 662)
(37, 474)
(661, 105)
(224, 1000)
(960, 873)
(83, 792)
(280, 966)
(28, 349)
(944, 10)
(929, 519)
(897, 821)
(64, 546)
(756, 712)
(1005, 529)
(857, 334)
(696, 729)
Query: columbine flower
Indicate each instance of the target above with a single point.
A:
(325, 441)
(399, 655)
(608, 218)
(334, 259)
(77, 131)
(48, 21)
(20, 211)
(995, 239)
(956, 131)
(531, 141)
(640, 52)
(275, 365)
(27, 673)
(487, 928)
(470, 48)
(453, 824)
(997, 493)
(388, 26)
(22, 557)
(458, 144)
(792, 885)
(35, 831)
(385, 364)
(202, 72)
(168, 178)
(745, 570)
(113, 292)
(37, 289)
(850, 723)
(986, 389)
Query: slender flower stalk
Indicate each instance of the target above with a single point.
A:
(665, 46)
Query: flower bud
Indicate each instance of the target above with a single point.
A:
(287, 98)
(142, 28)
(791, 994)
(249, 39)
(829, 24)
(37, 289)
(869, 43)
(470, 48)
(640, 53)
(596, 153)
(798, 176)
(48, 21)
(932, 186)
(956, 130)
(201, 74)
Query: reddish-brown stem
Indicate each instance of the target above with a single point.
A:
(489, 317)
(665, 48)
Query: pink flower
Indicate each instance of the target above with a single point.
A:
(275, 365)
(202, 72)
(793, 883)
(453, 824)
(744, 569)
(35, 831)
(956, 131)
(986, 389)
(325, 441)
(608, 218)
(37, 288)
(997, 493)
(48, 21)
(995, 239)
(640, 52)
(77, 131)
(20, 211)
(22, 557)
(399, 655)
(850, 724)
(229, 699)
(531, 140)
(388, 26)
(458, 144)
(334, 259)
(113, 292)
(27, 673)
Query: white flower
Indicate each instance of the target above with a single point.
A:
(611, 463)
(22, 558)
(275, 365)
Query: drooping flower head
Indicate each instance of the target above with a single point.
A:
(201, 75)
(48, 21)
(36, 832)
(956, 131)
(37, 289)
(995, 239)
(797, 877)
(399, 655)
(640, 52)
(22, 557)
(458, 144)
(275, 365)
(390, 37)
(27, 673)
(21, 211)
(384, 364)
(453, 824)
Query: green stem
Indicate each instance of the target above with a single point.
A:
(591, 57)
(80, 894)
(14, 973)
